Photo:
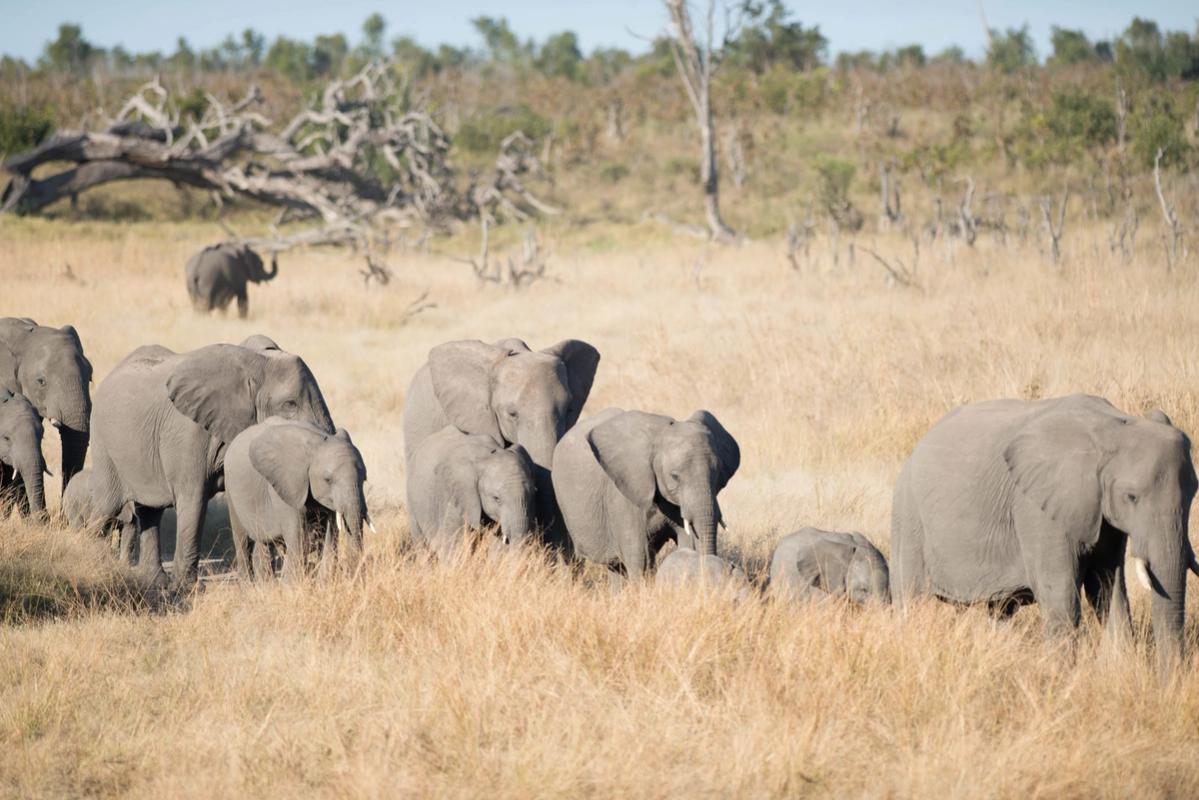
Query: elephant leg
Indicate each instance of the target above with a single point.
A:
(1103, 582)
(908, 577)
(262, 560)
(243, 303)
(126, 536)
(328, 552)
(616, 579)
(1055, 585)
(6, 489)
(149, 563)
(241, 546)
(295, 557)
(189, 515)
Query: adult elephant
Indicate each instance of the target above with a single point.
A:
(47, 365)
(163, 421)
(627, 482)
(507, 391)
(1011, 501)
(218, 274)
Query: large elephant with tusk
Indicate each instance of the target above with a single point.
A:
(627, 482)
(1010, 501)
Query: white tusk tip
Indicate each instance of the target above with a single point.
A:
(1142, 570)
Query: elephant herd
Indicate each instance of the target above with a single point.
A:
(1001, 503)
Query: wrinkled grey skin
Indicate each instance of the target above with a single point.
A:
(21, 464)
(685, 566)
(1011, 501)
(277, 474)
(626, 482)
(47, 365)
(506, 391)
(81, 510)
(811, 562)
(217, 275)
(459, 482)
(162, 423)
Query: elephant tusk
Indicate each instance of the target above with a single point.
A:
(370, 523)
(341, 525)
(727, 532)
(687, 528)
(1141, 567)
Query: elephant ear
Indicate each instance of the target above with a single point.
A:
(728, 453)
(513, 345)
(260, 343)
(461, 375)
(1054, 462)
(73, 334)
(12, 330)
(1157, 415)
(624, 447)
(216, 387)
(281, 454)
(523, 456)
(581, 360)
(457, 492)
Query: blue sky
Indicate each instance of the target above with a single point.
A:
(848, 24)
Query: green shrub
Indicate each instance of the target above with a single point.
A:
(23, 127)
(613, 172)
(682, 165)
(483, 132)
(1159, 125)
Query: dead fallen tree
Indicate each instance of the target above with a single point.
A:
(356, 154)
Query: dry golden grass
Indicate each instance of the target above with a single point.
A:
(513, 679)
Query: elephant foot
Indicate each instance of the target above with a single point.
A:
(153, 578)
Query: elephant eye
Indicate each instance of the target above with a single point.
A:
(1132, 498)
(512, 414)
(41, 381)
(674, 476)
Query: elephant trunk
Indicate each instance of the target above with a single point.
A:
(351, 518)
(72, 416)
(32, 468)
(74, 451)
(274, 270)
(515, 520)
(702, 514)
(1168, 572)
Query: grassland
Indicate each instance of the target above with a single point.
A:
(512, 678)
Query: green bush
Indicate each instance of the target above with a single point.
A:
(483, 132)
(1159, 125)
(613, 172)
(682, 165)
(23, 127)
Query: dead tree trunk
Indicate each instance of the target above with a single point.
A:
(1173, 226)
(695, 69)
(1055, 231)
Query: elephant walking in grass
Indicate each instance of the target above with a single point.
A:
(282, 478)
(811, 562)
(627, 482)
(47, 365)
(218, 274)
(163, 422)
(1010, 501)
(508, 392)
(459, 482)
(21, 464)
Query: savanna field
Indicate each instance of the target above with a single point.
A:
(515, 678)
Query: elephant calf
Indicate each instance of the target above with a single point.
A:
(218, 274)
(82, 509)
(21, 456)
(282, 478)
(686, 566)
(811, 561)
(459, 481)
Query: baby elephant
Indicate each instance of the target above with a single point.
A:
(217, 275)
(812, 560)
(686, 566)
(459, 482)
(81, 511)
(21, 464)
(282, 479)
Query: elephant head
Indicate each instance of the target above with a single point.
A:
(251, 263)
(686, 464)
(226, 388)
(300, 461)
(47, 365)
(514, 394)
(867, 577)
(1093, 464)
(21, 446)
(491, 484)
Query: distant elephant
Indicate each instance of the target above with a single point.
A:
(277, 474)
(458, 481)
(21, 456)
(217, 275)
(811, 562)
(81, 511)
(686, 567)
(506, 391)
(47, 365)
(197, 403)
(1011, 501)
(627, 482)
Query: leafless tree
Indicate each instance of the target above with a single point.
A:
(889, 195)
(799, 239)
(1052, 230)
(1173, 226)
(897, 273)
(615, 127)
(696, 62)
(1121, 116)
(1123, 236)
(517, 274)
(966, 214)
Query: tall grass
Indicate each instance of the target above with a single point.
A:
(514, 678)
